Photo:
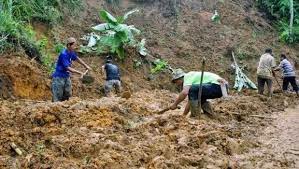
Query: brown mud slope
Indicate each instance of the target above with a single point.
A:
(120, 133)
(181, 31)
(20, 78)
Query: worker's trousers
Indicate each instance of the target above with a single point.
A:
(209, 91)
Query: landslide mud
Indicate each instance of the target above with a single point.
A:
(127, 133)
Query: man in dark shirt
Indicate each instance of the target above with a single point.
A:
(112, 76)
(61, 82)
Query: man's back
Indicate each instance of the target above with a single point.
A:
(287, 68)
(112, 72)
(265, 66)
(194, 78)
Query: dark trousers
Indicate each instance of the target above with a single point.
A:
(61, 89)
(287, 80)
(261, 84)
(209, 91)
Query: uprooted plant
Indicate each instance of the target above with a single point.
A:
(114, 36)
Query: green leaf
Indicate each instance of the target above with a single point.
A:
(101, 27)
(141, 48)
(120, 52)
(130, 13)
(159, 66)
(107, 17)
(134, 30)
(121, 19)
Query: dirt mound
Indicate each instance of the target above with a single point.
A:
(21, 78)
(126, 133)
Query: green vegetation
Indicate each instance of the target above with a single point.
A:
(159, 65)
(286, 15)
(16, 16)
(114, 36)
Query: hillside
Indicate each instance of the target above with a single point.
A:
(93, 131)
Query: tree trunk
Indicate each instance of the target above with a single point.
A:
(291, 18)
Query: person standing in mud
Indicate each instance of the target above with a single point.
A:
(61, 82)
(289, 75)
(111, 71)
(265, 72)
(211, 89)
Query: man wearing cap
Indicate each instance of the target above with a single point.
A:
(61, 82)
(111, 71)
(211, 89)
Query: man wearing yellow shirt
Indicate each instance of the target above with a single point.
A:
(190, 82)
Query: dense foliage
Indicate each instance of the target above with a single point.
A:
(281, 11)
(15, 28)
(114, 36)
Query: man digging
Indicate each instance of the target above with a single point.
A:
(211, 89)
(61, 81)
(111, 71)
(289, 74)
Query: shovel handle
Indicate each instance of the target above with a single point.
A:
(84, 74)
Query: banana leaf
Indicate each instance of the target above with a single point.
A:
(121, 19)
(241, 80)
(101, 27)
(130, 13)
(106, 16)
(141, 48)
(120, 52)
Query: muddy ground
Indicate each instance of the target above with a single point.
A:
(91, 131)
(127, 133)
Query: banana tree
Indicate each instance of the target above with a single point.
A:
(114, 35)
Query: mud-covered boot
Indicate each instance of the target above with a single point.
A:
(207, 109)
(194, 107)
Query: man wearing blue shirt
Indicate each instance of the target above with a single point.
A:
(61, 82)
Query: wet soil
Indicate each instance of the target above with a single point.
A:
(23, 78)
(127, 133)
(91, 131)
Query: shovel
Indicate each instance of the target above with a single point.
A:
(276, 80)
(87, 79)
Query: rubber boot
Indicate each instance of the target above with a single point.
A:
(194, 107)
(207, 108)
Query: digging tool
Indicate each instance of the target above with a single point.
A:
(200, 85)
(166, 109)
(87, 79)
(276, 80)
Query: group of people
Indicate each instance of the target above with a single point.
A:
(61, 81)
(266, 72)
(210, 85)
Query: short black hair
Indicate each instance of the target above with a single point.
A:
(268, 50)
(108, 59)
(283, 56)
